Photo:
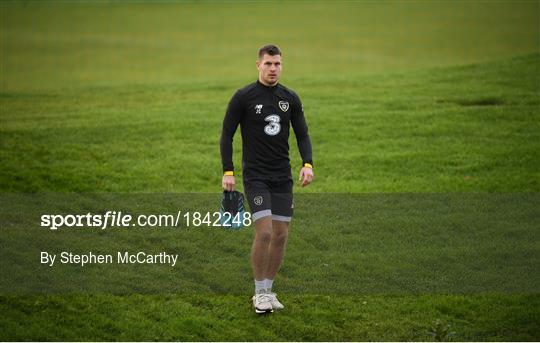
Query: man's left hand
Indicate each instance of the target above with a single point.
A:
(306, 176)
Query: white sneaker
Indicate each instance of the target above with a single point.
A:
(276, 305)
(261, 302)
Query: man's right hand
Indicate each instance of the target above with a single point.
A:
(228, 183)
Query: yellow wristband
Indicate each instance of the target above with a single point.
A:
(307, 165)
(229, 173)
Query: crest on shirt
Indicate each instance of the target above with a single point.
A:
(284, 105)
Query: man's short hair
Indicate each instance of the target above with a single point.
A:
(269, 49)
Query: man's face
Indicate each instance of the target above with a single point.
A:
(269, 69)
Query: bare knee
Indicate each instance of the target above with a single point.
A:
(263, 231)
(279, 238)
(263, 237)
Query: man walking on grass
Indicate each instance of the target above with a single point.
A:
(265, 110)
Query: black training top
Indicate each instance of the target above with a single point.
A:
(264, 114)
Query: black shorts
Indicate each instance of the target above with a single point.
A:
(270, 198)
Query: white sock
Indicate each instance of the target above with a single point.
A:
(268, 284)
(260, 286)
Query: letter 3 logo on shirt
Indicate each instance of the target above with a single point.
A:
(258, 200)
(273, 126)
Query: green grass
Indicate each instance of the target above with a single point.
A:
(470, 128)
(59, 46)
(401, 97)
(226, 317)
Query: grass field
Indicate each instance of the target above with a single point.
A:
(429, 111)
